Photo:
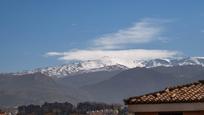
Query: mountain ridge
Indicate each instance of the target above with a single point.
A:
(110, 65)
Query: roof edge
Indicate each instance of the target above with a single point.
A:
(127, 100)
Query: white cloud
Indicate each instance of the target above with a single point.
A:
(144, 31)
(125, 57)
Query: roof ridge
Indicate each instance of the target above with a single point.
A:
(167, 89)
(184, 85)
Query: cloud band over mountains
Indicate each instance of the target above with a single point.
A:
(123, 57)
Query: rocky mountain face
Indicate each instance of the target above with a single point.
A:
(139, 81)
(34, 88)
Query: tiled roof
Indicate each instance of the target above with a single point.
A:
(193, 92)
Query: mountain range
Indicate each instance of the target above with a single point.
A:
(111, 65)
(97, 80)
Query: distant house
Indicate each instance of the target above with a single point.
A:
(103, 112)
(180, 100)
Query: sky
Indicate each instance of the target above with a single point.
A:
(40, 33)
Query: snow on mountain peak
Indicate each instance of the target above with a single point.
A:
(110, 64)
(78, 67)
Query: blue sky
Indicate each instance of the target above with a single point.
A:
(40, 33)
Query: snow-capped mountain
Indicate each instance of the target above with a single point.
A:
(174, 62)
(111, 65)
(77, 68)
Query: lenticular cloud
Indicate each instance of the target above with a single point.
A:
(124, 57)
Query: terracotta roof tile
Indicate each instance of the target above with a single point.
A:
(193, 92)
